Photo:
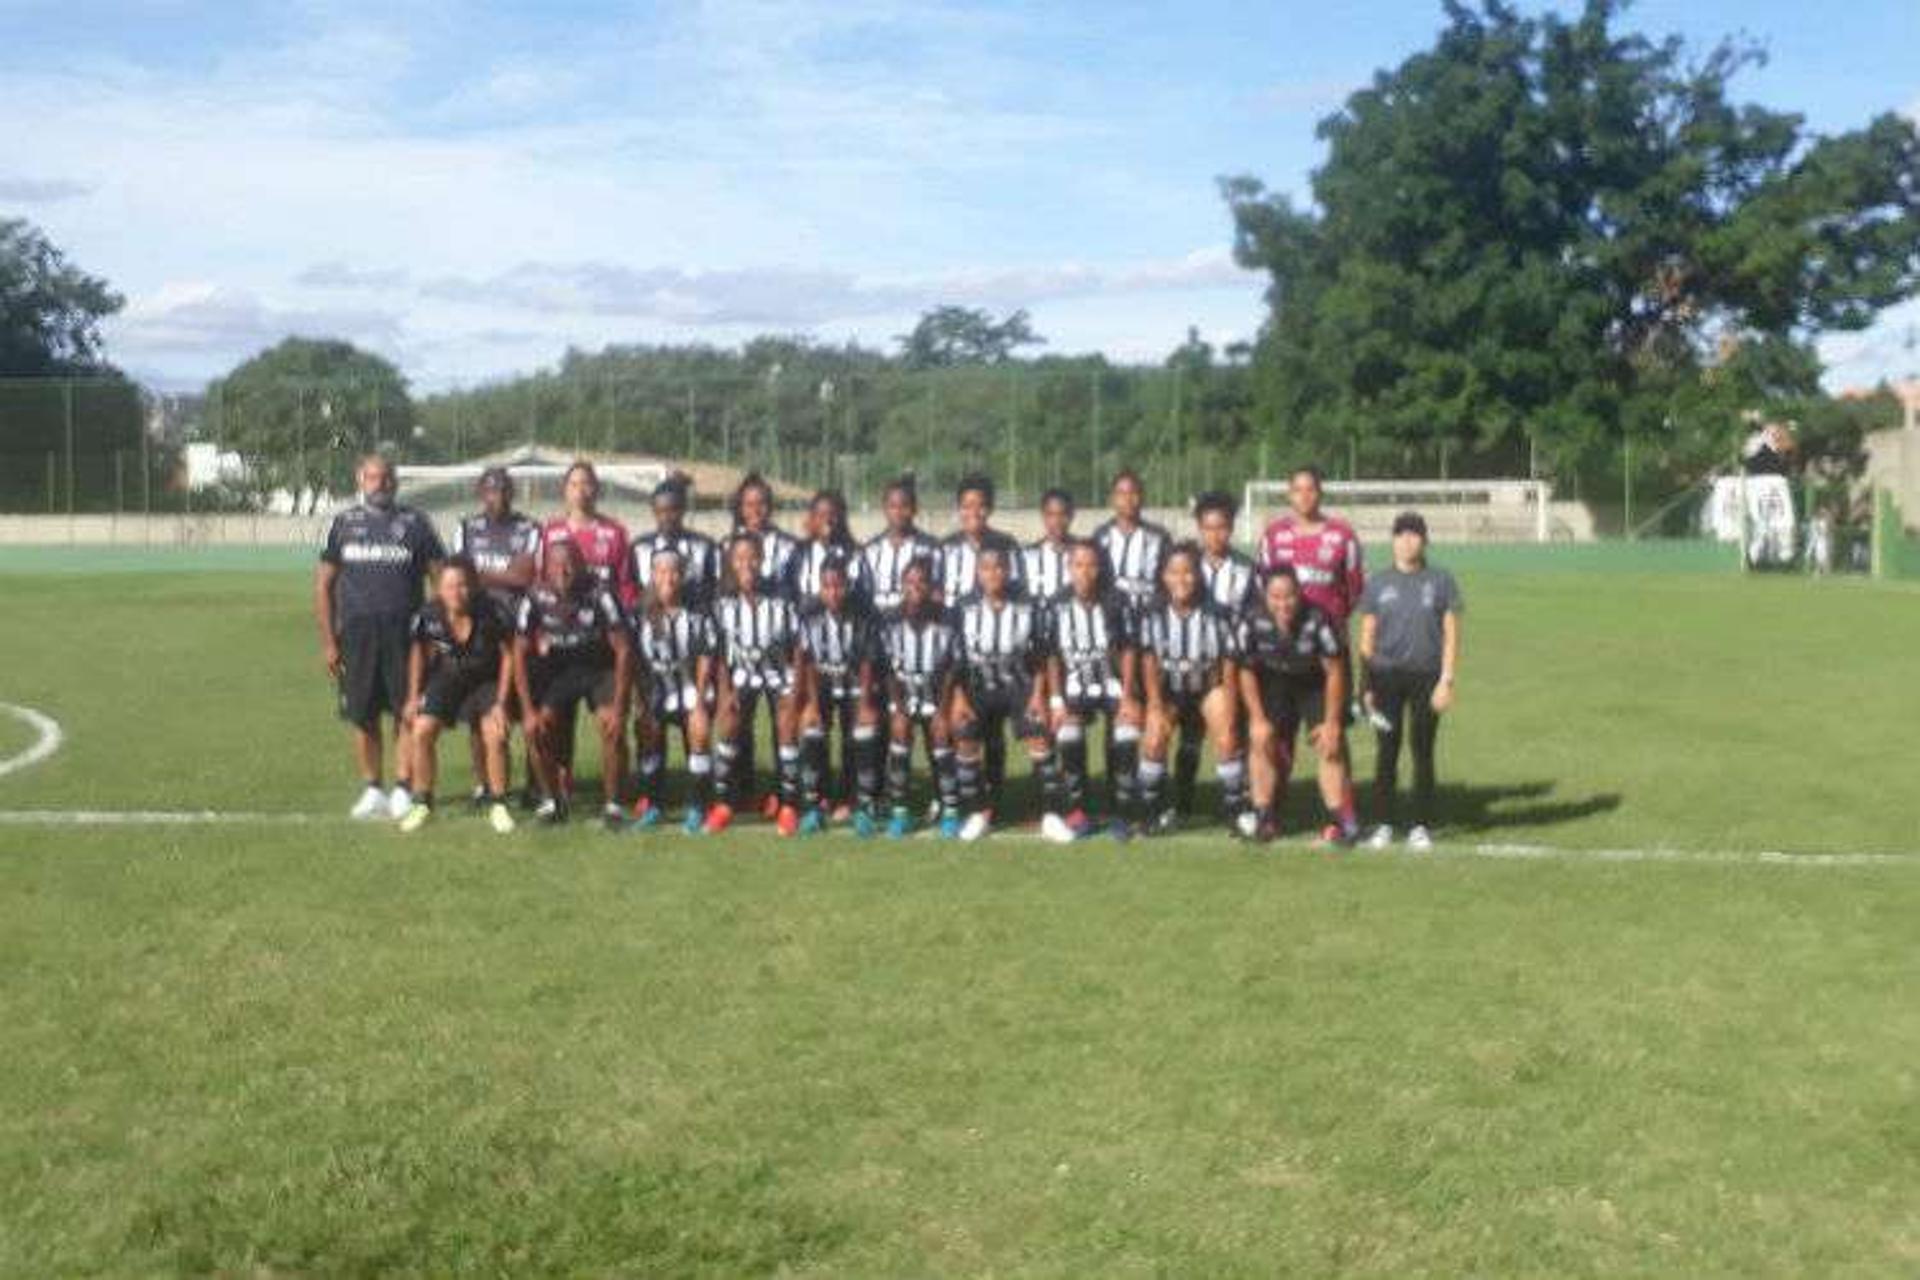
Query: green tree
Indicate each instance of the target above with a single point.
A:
(949, 336)
(1554, 231)
(50, 310)
(302, 412)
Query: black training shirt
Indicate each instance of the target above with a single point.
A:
(383, 554)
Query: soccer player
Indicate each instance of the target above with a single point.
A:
(365, 590)
(699, 555)
(605, 548)
(571, 647)
(1231, 577)
(1046, 558)
(1134, 548)
(960, 553)
(1004, 639)
(1293, 673)
(1409, 653)
(674, 646)
(759, 644)
(840, 639)
(827, 539)
(504, 546)
(753, 515)
(900, 544)
(1190, 671)
(923, 663)
(460, 673)
(1092, 673)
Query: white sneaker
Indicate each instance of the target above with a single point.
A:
(1247, 823)
(1054, 827)
(1382, 837)
(500, 818)
(399, 801)
(417, 817)
(371, 804)
(976, 825)
(1420, 840)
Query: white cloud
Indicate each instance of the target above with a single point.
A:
(339, 275)
(198, 317)
(22, 190)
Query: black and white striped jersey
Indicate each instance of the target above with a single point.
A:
(1189, 646)
(1089, 637)
(960, 564)
(1003, 642)
(671, 643)
(699, 562)
(1231, 581)
(1133, 557)
(1044, 565)
(813, 555)
(887, 563)
(758, 635)
(839, 645)
(777, 550)
(570, 626)
(1294, 653)
(923, 652)
(493, 546)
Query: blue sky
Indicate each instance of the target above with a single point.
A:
(470, 189)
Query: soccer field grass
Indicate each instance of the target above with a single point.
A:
(303, 1045)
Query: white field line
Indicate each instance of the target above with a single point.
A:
(1445, 851)
(47, 738)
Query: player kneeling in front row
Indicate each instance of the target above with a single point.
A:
(459, 673)
(674, 648)
(1091, 672)
(1188, 648)
(572, 648)
(841, 642)
(1003, 640)
(758, 631)
(1294, 674)
(923, 666)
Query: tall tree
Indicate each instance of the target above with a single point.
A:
(949, 336)
(302, 412)
(50, 310)
(1552, 228)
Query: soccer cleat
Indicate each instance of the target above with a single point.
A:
(399, 801)
(949, 826)
(1080, 825)
(787, 820)
(813, 822)
(646, 816)
(770, 806)
(1246, 824)
(1381, 838)
(976, 826)
(1165, 823)
(719, 818)
(1120, 829)
(932, 815)
(550, 812)
(864, 824)
(1420, 840)
(695, 823)
(500, 818)
(416, 817)
(899, 823)
(1335, 836)
(371, 804)
(841, 813)
(479, 799)
(1265, 831)
(612, 817)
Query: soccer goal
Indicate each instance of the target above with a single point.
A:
(1456, 511)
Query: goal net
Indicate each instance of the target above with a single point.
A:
(445, 490)
(1456, 511)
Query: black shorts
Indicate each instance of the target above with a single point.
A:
(668, 701)
(1005, 704)
(453, 698)
(375, 651)
(1291, 701)
(1087, 710)
(559, 687)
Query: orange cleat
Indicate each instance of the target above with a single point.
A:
(770, 806)
(719, 818)
(788, 820)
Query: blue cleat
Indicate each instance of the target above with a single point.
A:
(646, 819)
(949, 826)
(1120, 829)
(864, 825)
(695, 822)
(899, 825)
(812, 823)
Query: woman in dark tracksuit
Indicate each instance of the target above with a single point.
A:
(1409, 651)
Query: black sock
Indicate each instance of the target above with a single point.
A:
(700, 778)
(1046, 774)
(813, 767)
(789, 764)
(966, 772)
(725, 754)
(946, 780)
(1153, 778)
(1122, 765)
(1233, 785)
(1186, 767)
(1073, 773)
(868, 765)
(899, 773)
(652, 769)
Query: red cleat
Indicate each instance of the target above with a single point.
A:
(770, 806)
(719, 818)
(788, 820)
(641, 806)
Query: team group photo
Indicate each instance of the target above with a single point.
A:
(897, 638)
